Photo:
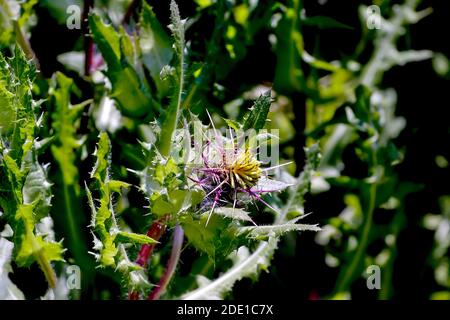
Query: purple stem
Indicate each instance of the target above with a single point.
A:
(88, 42)
(130, 11)
(178, 238)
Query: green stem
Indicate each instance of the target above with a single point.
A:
(43, 262)
(72, 227)
(165, 142)
(69, 216)
(173, 113)
(350, 272)
(23, 42)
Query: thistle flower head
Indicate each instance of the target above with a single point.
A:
(231, 174)
(244, 171)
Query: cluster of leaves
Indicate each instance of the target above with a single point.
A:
(109, 240)
(25, 196)
(144, 77)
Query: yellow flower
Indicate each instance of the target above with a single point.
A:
(244, 171)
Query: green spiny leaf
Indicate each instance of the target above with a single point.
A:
(132, 94)
(36, 190)
(110, 238)
(155, 44)
(232, 124)
(30, 248)
(65, 123)
(117, 186)
(217, 239)
(100, 171)
(27, 179)
(262, 232)
(7, 111)
(257, 116)
(128, 237)
(233, 213)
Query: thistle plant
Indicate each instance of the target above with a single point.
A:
(203, 190)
